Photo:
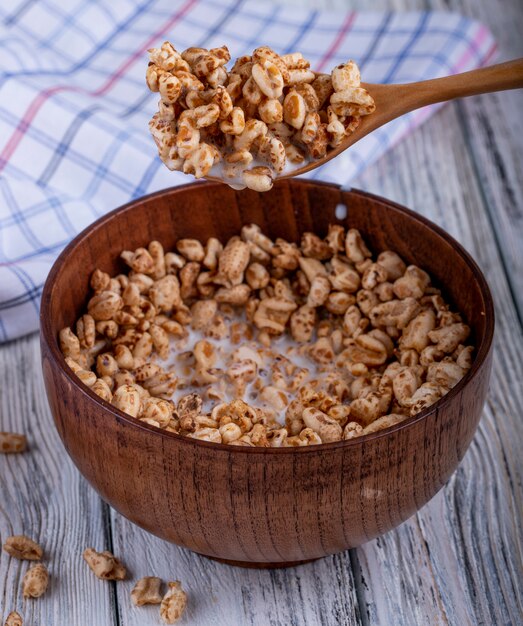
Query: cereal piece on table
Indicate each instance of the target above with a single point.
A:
(23, 548)
(173, 603)
(207, 113)
(147, 591)
(12, 443)
(35, 581)
(104, 564)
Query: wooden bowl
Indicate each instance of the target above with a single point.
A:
(263, 507)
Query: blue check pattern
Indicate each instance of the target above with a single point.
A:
(74, 107)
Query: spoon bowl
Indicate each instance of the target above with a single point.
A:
(393, 101)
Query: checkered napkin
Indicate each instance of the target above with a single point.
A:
(74, 106)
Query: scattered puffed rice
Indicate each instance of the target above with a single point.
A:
(35, 581)
(104, 564)
(173, 603)
(14, 619)
(22, 547)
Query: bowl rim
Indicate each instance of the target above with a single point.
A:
(48, 339)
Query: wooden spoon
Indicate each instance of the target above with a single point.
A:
(392, 101)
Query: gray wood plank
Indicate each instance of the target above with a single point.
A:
(43, 496)
(490, 125)
(322, 592)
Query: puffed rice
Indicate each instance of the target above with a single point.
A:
(267, 113)
(104, 564)
(12, 443)
(147, 591)
(35, 581)
(23, 548)
(267, 343)
(14, 619)
(174, 603)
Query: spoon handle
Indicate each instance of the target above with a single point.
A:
(498, 77)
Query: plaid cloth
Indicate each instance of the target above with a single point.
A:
(74, 107)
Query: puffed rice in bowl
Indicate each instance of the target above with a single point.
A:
(262, 324)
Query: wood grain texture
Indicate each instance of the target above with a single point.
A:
(456, 562)
(43, 496)
(319, 592)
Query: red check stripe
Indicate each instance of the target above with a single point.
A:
(344, 31)
(40, 100)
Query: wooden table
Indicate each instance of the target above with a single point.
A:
(458, 561)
